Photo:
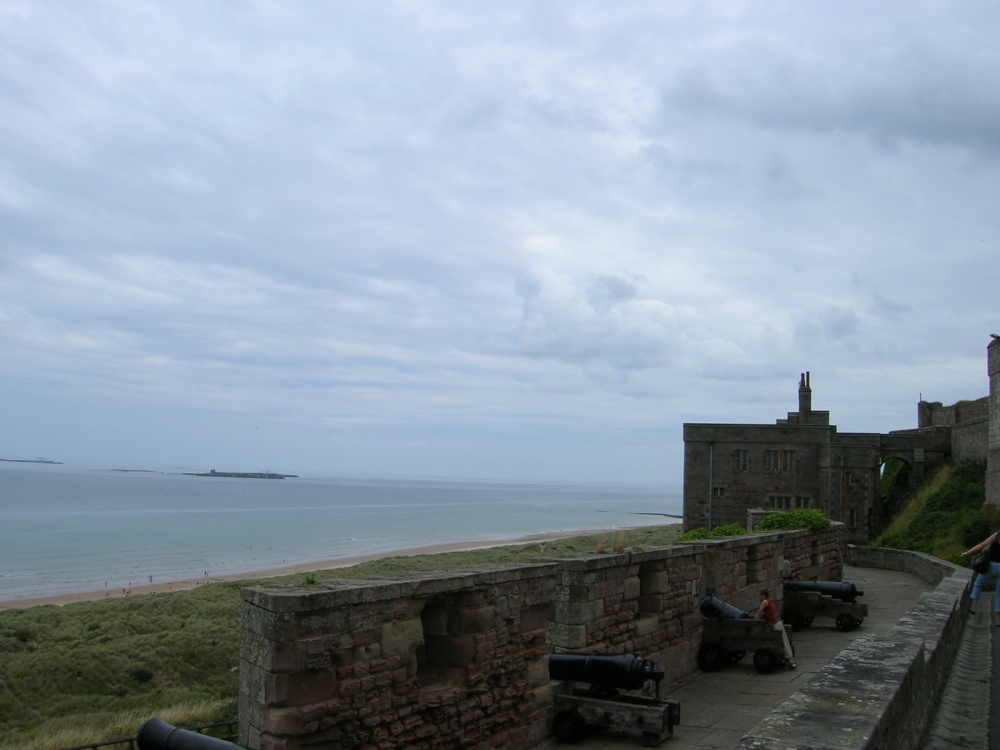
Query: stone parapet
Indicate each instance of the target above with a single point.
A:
(456, 659)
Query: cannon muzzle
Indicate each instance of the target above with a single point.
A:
(720, 610)
(605, 673)
(845, 591)
(156, 734)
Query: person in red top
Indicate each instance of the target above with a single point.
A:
(768, 612)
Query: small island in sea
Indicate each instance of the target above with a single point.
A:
(29, 461)
(240, 474)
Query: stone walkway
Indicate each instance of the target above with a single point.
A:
(719, 708)
(963, 716)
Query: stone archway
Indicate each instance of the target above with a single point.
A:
(896, 483)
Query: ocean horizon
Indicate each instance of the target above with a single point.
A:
(67, 529)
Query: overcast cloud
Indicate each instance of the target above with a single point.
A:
(517, 240)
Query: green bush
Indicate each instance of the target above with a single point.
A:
(806, 518)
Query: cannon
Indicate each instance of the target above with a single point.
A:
(605, 674)
(157, 734)
(603, 705)
(720, 610)
(844, 591)
(729, 632)
(806, 600)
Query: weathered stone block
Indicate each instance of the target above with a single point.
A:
(450, 651)
(464, 620)
(403, 636)
(536, 617)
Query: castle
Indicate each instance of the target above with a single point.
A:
(802, 461)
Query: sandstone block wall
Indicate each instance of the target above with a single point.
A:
(459, 659)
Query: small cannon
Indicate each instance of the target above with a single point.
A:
(844, 591)
(806, 600)
(157, 734)
(602, 704)
(728, 633)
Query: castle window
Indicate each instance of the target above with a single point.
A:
(718, 492)
(788, 502)
(775, 461)
(741, 460)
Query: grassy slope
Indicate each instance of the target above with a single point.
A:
(95, 671)
(946, 516)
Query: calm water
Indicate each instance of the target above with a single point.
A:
(71, 530)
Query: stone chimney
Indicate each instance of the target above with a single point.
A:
(805, 397)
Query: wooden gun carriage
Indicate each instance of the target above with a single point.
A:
(729, 633)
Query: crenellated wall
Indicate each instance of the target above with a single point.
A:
(457, 659)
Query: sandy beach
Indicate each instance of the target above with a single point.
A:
(304, 567)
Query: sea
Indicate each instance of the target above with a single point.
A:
(79, 529)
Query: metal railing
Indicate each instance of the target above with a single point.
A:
(227, 730)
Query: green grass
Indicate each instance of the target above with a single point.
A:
(946, 516)
(95, 671)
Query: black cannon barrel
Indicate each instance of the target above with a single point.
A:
(720, 610)
(845, 591)
(622, 672)
(156, 734)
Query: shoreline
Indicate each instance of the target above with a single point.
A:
(311, 566)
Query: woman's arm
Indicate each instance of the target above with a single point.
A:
(985, 543)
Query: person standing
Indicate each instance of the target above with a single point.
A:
(994, 572)
(768, 612)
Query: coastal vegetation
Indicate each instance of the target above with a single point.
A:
(790, 520)
(803, 518)
(95, 671)
(719, 532)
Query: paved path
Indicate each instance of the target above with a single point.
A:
(719, 708)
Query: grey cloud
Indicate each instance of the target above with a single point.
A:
(419, 217)
(915, 88)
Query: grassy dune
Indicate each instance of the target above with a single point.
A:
(95, 671)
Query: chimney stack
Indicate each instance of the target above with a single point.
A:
(805, 395)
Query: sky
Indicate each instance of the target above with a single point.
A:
(518, 241)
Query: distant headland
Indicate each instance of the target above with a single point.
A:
(240, 474)
(29, 461)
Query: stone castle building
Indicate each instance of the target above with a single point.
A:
(803, 461)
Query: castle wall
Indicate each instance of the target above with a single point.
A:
(724, 474)
(993, 438)
(458, 659)
(968, 421)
